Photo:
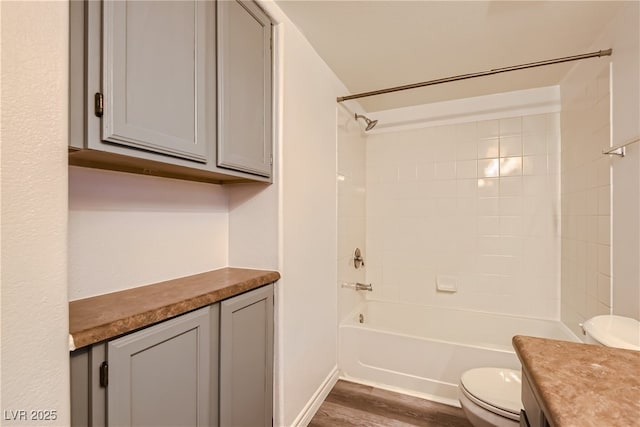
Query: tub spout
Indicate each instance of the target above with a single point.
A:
(364, 287)
(358, 286)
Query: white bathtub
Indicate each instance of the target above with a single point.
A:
(423, 350)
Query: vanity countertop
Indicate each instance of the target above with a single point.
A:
(582, 385)
(100, 318)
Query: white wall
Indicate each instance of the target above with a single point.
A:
(35, 358)
(476, 201)
(129, 230)
(351, 209)
(623, 36)
(586, 195)
(307, 295)
(254, 225)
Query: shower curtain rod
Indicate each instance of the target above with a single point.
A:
(598, 54)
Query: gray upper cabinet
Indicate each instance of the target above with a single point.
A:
(154, 76)
(244, 87)
(246, 359)
(144, 86)
(159, 376)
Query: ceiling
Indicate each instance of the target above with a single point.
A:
(373, 45)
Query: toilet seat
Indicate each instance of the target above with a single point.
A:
(495, 389)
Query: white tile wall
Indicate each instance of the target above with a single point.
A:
(586, 200)
(477, 201)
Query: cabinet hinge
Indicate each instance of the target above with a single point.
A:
(104, 374)
(271, 160)
(99, 104)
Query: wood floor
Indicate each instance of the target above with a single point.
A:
(351, 404)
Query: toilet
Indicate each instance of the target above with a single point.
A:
(490, 397)
(613, 331)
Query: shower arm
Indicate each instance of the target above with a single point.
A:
(370, 123)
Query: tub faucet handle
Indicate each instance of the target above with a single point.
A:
(358, 261)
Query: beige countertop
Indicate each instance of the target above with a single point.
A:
(582, 385)
(99, 318)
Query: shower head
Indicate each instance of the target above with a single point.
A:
(370, 123)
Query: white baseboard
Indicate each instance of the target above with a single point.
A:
(451, 402)
(304, 418)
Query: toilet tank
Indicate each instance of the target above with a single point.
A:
(613, 331)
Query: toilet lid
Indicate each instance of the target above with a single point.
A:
(497, 387)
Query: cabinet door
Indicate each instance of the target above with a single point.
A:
(533, 415)
(246, 359)
(88, 397)
(159, 376)
(154, 76)
(244, 87)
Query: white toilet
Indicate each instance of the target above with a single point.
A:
(613, 331)
(490, 397)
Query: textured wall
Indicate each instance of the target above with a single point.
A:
(306, 305)
(308, 200)
(35, 357)
(130, 230)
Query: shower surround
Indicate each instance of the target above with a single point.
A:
(478, 202)
(474, 205)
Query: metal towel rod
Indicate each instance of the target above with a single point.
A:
(619, 150)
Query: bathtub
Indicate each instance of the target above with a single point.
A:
(422, 350)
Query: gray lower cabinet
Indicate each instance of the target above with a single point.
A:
(88, 396)
(144, 89)
(246, 359)
(209, 367)
(532, 415)
(159, 376)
